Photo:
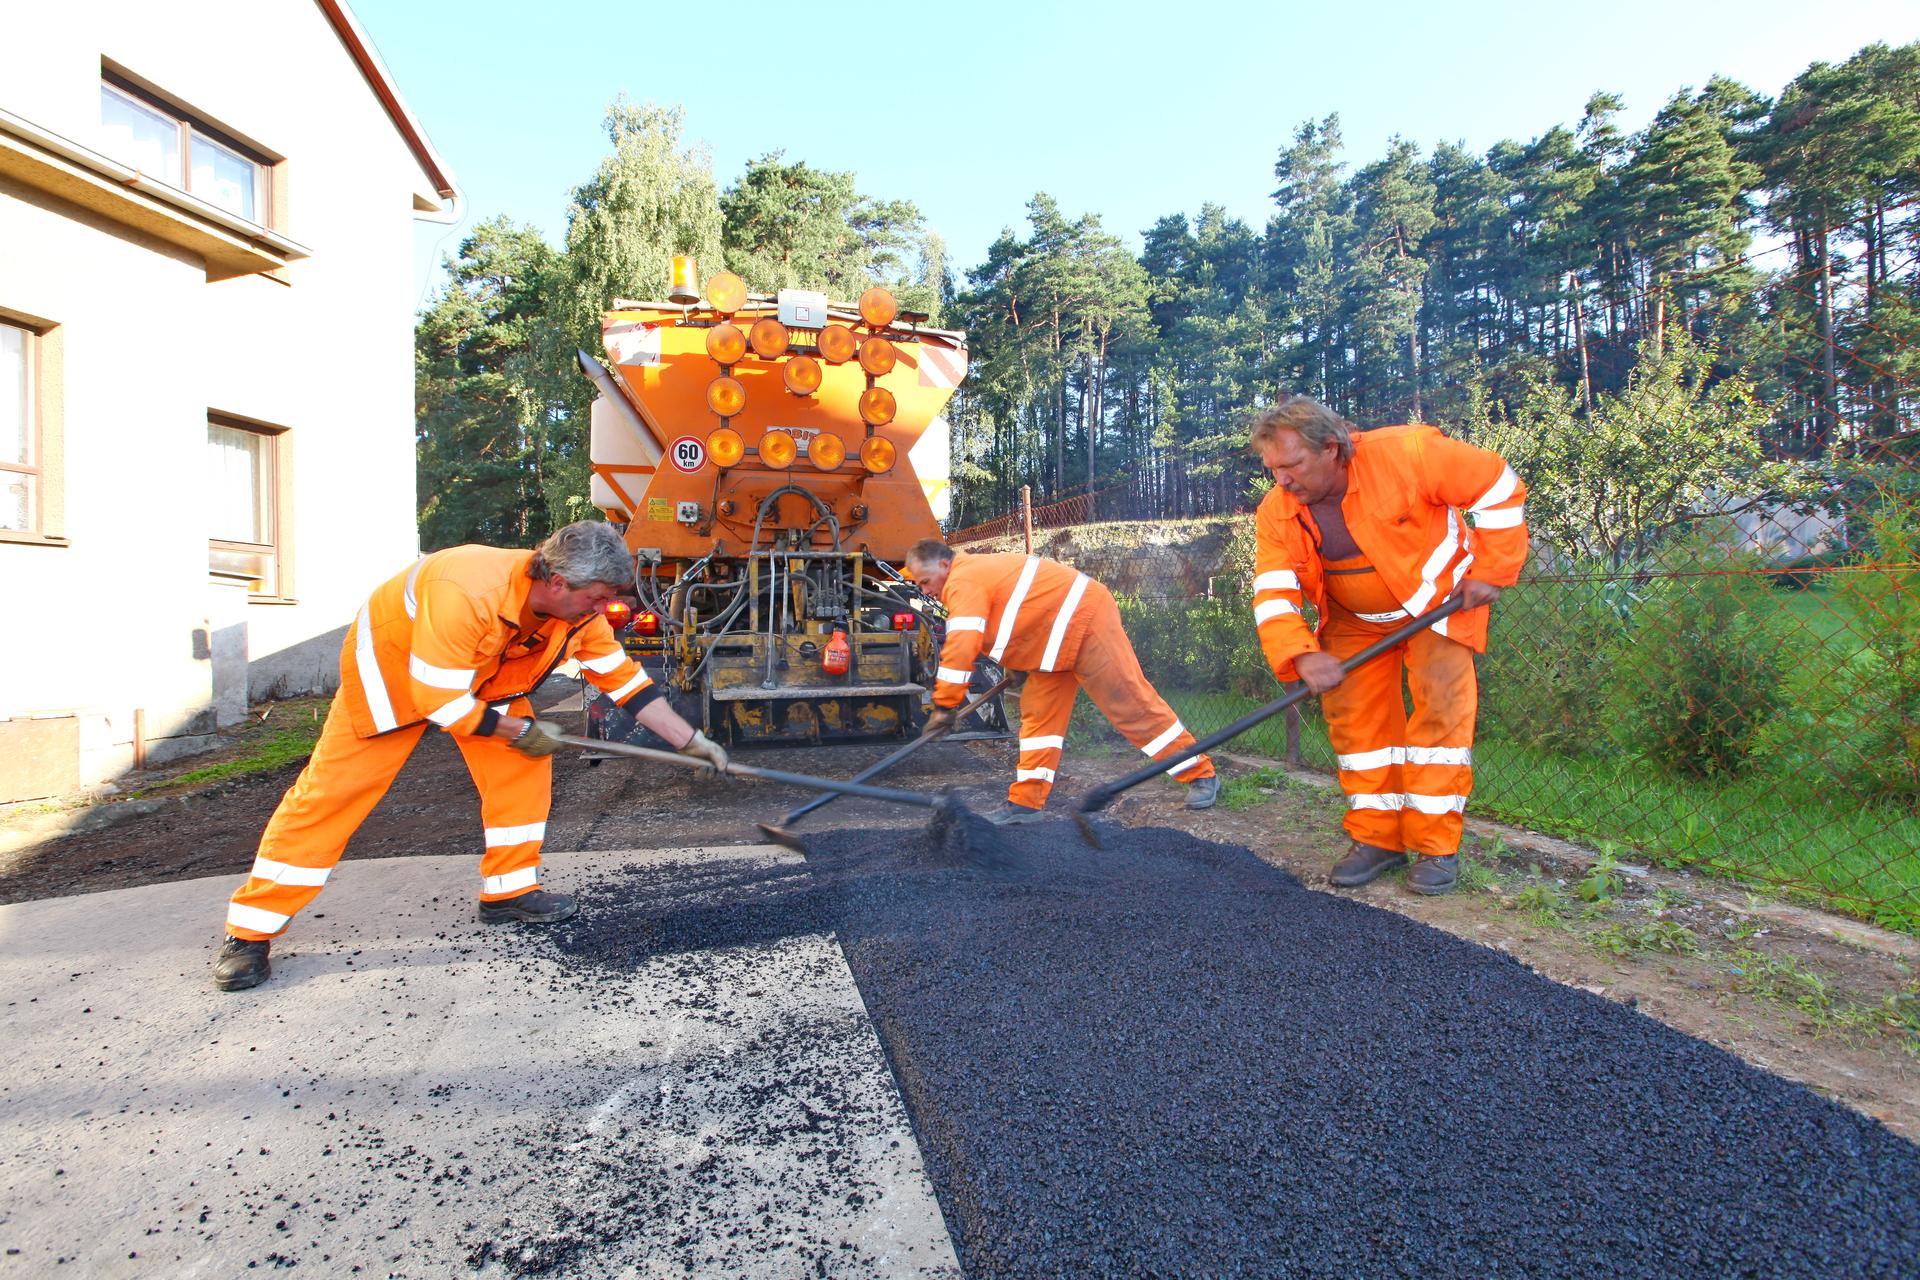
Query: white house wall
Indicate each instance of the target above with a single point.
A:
(125, 616)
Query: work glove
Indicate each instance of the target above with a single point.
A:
(701, 747)
(940, 722)
(539, 738)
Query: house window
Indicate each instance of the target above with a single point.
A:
(20, 476)
(168, 144)
(244, 473)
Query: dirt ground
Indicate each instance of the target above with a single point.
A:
(1825, 1001)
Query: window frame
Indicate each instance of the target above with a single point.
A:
(188, 124)
(41, 355)
(276, 497)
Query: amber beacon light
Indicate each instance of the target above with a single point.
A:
(827, 451)
(777, 450)
(802, 375)
(768, 338)
(838, 344)
(726, 397)
(726, 292)
(726, 344)
(725, 447)
(878, 308)
(877, 454)
(683, 283)
(877, 406)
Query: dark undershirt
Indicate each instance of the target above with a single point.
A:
(1336, 541)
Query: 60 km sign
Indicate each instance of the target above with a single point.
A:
(688, 454)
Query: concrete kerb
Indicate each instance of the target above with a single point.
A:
(1576, 858)
(422, 1095)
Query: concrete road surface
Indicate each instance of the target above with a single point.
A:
(414, 1094)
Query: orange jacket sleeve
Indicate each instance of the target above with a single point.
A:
(1480, 482)
(1277, 600)
(967, 606)
(448, 631)
(608, 668)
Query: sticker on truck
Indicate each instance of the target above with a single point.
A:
(688, 454)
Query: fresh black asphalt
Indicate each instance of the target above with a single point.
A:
(1166, 1058)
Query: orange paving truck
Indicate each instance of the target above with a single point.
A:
(770, 461)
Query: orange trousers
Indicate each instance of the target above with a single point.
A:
(345, 778)
(1407, 776)
(1110, 673)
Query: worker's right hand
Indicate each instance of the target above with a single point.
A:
(940, 722)
(1320, 671)
(539, 738)
(701, 747)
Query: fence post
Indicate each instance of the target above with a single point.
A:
(1026, 514)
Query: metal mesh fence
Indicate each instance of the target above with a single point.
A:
(1741, 697)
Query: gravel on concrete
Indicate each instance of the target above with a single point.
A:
(1168, 1058)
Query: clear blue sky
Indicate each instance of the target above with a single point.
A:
(1126, 109)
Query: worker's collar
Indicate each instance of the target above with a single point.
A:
(514, 609)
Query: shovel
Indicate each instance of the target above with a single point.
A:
(1103, 795)
(783, 833)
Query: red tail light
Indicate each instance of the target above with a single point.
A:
(647, 624)
(903, 622)
(619, 613)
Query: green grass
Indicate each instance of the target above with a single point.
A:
(1785, 981)
(285, 747)
(1806, 837)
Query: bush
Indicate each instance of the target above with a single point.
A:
(1202, 645)
(1547, 674)
(1706, 670)
(1858, 722)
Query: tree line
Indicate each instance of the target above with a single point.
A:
(1735, 252)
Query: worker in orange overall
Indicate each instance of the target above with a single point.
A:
(459, 640)
(1063, 629)
(1375, 528)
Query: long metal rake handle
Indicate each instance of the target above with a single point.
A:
(893, 757)
(1102, 796)
(811, 783)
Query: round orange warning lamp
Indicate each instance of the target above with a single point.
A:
(802, 375)
(877, 406)
(777, 450)
(725, 447)
(837, 344)
(876, 356)
(827, 451)
(877, 454)
(878, 308)
(726, 292)
(726, 397)
(769, 338)
(726, 344)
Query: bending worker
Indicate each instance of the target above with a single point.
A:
(1376, 528)
(1062, 628)
(460, 640)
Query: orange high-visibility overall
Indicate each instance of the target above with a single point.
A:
(1427, 512)
(1062, 628)
(451, 641)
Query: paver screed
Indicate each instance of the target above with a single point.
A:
(1168, 1058)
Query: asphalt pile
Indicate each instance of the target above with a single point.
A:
(1165, 1057)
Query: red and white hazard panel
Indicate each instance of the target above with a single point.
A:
(942, 366)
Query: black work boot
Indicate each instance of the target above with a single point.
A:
(536, 906)
(1364, 862)
(241, 964)
(1434, 873)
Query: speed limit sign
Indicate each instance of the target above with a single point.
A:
(687, 454)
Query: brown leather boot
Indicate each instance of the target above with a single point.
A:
(1364, 862)
(1434, 873)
